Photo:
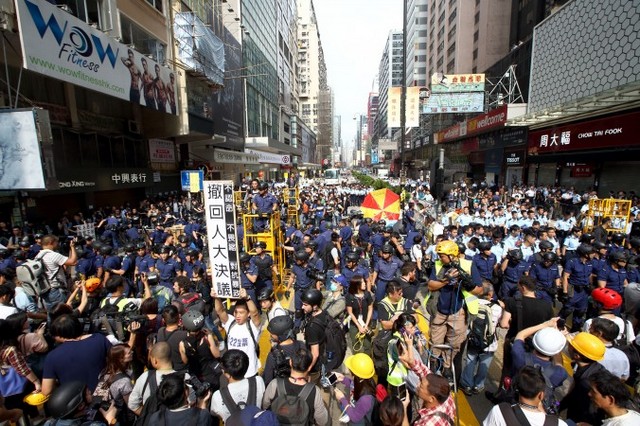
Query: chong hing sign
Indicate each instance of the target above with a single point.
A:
(59, 45)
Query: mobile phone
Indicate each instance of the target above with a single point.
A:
(402, 392)
(561, 324)
(333, 379)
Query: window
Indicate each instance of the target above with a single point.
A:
(476, 35)
(476, 19)
(94, 12)
(142, 41)
(156, 3)
(452, 32)
(453, 15)
(451, 49)
(475, 53)
(451, 66)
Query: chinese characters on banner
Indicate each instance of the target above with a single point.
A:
(222, 239)
(86, 230)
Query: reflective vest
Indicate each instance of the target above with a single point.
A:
(470, 300)
(397, 374)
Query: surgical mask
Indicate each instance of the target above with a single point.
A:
(333, 286)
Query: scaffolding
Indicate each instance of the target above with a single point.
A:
(291, 200)
(616, 210)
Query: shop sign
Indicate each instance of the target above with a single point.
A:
(222, 238)
(100, 123)
(515, 158)
(488, 141)
(513, 136)
(234, 157)
(161, 151)
(612, 132)
(491, 120)
(585, 170)
(59, 45)
(74, 180)
(493, 160)
(268, 157)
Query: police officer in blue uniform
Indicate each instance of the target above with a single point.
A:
(547, 277)
(35, 247)
(183, 248)
(132, 233)
(617, 241)
(301, 280)
(167, 268)
(600, 259)
(128, 267)
(249, 275)
(265, 266)
(158, 236)
(112, 262)
(376, 241)
(85, 267)
(8, 261)
(143, 264)
(385, 269)
(578, 273)
(513, 267)
(346, 233)
(191, 261)
(364, 230)
(614, 273)
(314, 260)
(483, 264)
(263, 204)
(570, 245)
(352, 267)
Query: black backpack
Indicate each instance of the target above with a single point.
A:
(193, 302)
(152, 404)
(481, 329)
(236, 409)
(335, 343)
(282, 368)
(293, 409)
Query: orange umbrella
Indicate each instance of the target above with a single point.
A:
(381, 204)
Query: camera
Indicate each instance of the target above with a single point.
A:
(200, 388)
(316, 274)
(153, 278)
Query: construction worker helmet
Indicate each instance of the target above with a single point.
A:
(92, 284)
(361, 365)
(588, 345)
(447, 247)
(549, 341)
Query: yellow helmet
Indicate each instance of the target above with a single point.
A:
(447, 247)
(361, 365)
(92, 284)
(588, 346)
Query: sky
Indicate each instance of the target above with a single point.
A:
(353, 35)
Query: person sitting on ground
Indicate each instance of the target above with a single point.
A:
(173, 394)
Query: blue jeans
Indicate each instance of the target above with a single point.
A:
(480, 361)
(54, 297)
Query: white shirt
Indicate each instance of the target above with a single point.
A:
(632, 418)
(5, 311)
(239, 392)
(53, 264)
(240, 338)
(275, 311)
(535, 418)
(620, 322)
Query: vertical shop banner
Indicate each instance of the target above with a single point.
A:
(222, 238)
(393, 109)
(59, 45)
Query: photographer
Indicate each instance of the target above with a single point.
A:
(54, 270)
(457, 293)
(173, 394)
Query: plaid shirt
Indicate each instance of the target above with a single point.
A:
(442, 415)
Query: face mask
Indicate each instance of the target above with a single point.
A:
(333, 286)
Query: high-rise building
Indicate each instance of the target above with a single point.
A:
(389, 75)
(466, 36)
(287, 34)
(417, 18)
(316, 98)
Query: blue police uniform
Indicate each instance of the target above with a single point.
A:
(633, 275)
(128, 266)
(188, 267)
(571, 243)
(98, 261)
(387, 270)
(85, 267)
(510, 279)
(358, 270)
(580, 279)
(482, 268)
(409, 224)
(9, 263)
(264, 269)
(157, 237)
(364, 232)
(408, 241)
(111, 263)
(249, 269)
(302, 282)
(545, 280)
(614, 279)
(182, 253)
(33, 251)
(598, 265)
(167, 270)
(264, 204)
(377, 241)
(316, 262)
(133, 234)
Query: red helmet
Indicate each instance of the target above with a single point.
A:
(609, 299)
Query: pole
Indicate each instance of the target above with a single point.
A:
(403, 96)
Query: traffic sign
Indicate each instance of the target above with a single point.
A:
(191, 180)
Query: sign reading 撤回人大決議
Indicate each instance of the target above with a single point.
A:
(59, 45)
(222, 238)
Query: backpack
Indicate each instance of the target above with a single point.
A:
(192, 301)
(550, 403)
(244, 410)
(32, 275)
(158, 292)
(152, 404)
(282, 368)
(513, 415)
(631, 351)
(380, 343)
(335, 343)
(292, 410)
(482, 330)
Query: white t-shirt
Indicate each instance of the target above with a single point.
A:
(632, 418)
(239, 392)
(535, 418)
(239, 337)
(276, 311)
(53, 264)
(5, 311)
(137, 398)
(620, 322)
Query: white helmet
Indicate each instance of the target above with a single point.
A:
(549, 341)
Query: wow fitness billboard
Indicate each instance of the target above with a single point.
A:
(59, 45)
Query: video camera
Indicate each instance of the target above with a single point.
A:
(463, 279)
(199, 388)
(316, 274)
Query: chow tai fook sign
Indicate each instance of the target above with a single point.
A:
(222, 237)
(612, 132)
(59, 45)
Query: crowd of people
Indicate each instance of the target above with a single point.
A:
(380, 322)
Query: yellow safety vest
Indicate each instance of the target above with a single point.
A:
(397, 374)
(470, 300)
